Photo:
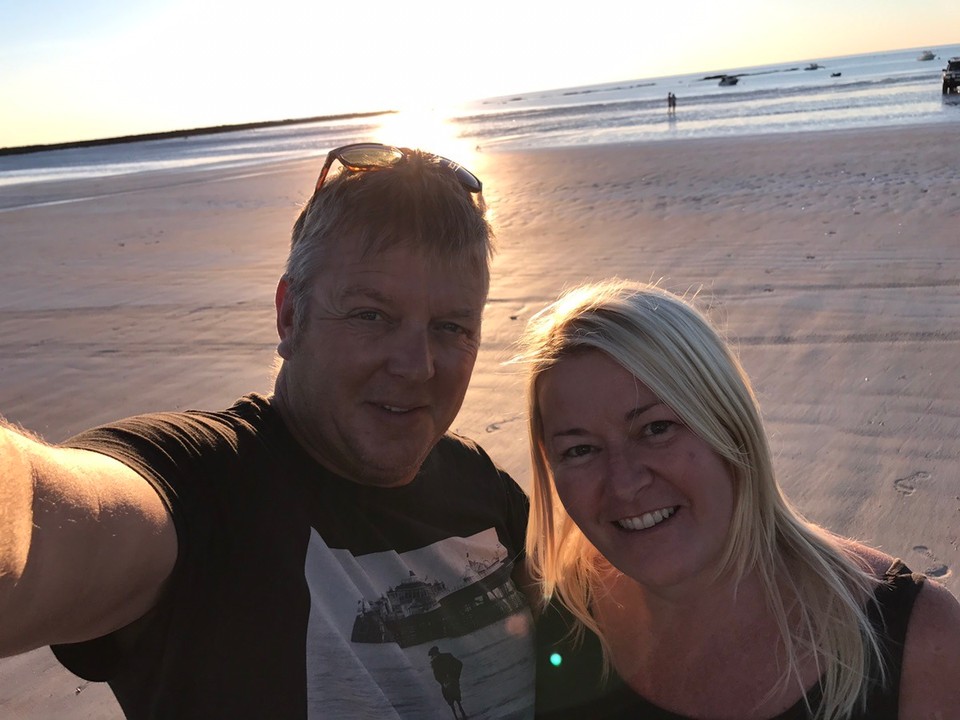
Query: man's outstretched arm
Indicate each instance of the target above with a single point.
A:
(85, 544)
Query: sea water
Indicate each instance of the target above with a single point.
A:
(857, 91)
(870, 90)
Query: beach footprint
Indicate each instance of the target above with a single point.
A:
(494, 426)
(934, 568)
(908, 485)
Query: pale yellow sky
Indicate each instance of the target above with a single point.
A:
(72, 71)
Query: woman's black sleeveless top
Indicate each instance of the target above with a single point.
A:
(569, 683)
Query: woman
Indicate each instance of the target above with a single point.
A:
(660, 536)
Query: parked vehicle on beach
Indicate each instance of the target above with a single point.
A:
(951, 76)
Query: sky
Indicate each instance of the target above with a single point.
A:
(72, 70)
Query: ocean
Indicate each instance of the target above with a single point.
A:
(870, 90)
(855, 91)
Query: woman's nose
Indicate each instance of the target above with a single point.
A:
(626, 475)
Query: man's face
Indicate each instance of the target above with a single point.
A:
(379, 370)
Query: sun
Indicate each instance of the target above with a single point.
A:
(430, 129)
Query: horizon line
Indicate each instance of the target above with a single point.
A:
(186, 132)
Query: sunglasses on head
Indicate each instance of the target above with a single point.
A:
(375, 156)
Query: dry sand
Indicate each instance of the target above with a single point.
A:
(832, 259)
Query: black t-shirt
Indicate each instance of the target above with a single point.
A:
(570, 685)
(299, 594)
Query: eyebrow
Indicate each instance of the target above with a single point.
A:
(638, 411)
(464, 314)
(629, 416)
(365, 291)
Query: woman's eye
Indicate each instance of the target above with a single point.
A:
(658, 427)
(577, 451)
(658, 430)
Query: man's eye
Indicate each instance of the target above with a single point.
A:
(369, 315)
(451, 327)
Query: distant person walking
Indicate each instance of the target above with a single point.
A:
(671, 103)
(446, 669)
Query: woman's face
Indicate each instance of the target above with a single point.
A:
(651, 496)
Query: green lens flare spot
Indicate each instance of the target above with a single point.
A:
(556, 659)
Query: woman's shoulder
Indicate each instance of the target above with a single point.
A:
(931, 649)
(874, 561)
(928, 616)
(929, 684)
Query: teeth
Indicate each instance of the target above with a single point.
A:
(647, 520)
(393, 409)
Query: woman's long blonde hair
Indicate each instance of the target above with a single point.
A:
(670, 347)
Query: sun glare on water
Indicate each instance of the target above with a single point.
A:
(427, 129)
(431, 129)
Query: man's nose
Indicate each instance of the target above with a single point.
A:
(410, 353)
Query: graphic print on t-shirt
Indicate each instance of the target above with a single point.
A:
(382, 627)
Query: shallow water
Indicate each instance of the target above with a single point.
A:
(872, 90)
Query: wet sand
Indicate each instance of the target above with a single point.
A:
(831, 259)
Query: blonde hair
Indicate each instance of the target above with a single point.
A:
(673, 349)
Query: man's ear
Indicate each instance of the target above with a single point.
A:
(285, 318)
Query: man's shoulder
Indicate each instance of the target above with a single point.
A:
(460, 442)
(463, 459)
(248, 414)
(463, 450)
(176, 440)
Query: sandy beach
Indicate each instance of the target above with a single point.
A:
(831, 258)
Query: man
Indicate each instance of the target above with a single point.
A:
(446, 671)
(287, 557)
